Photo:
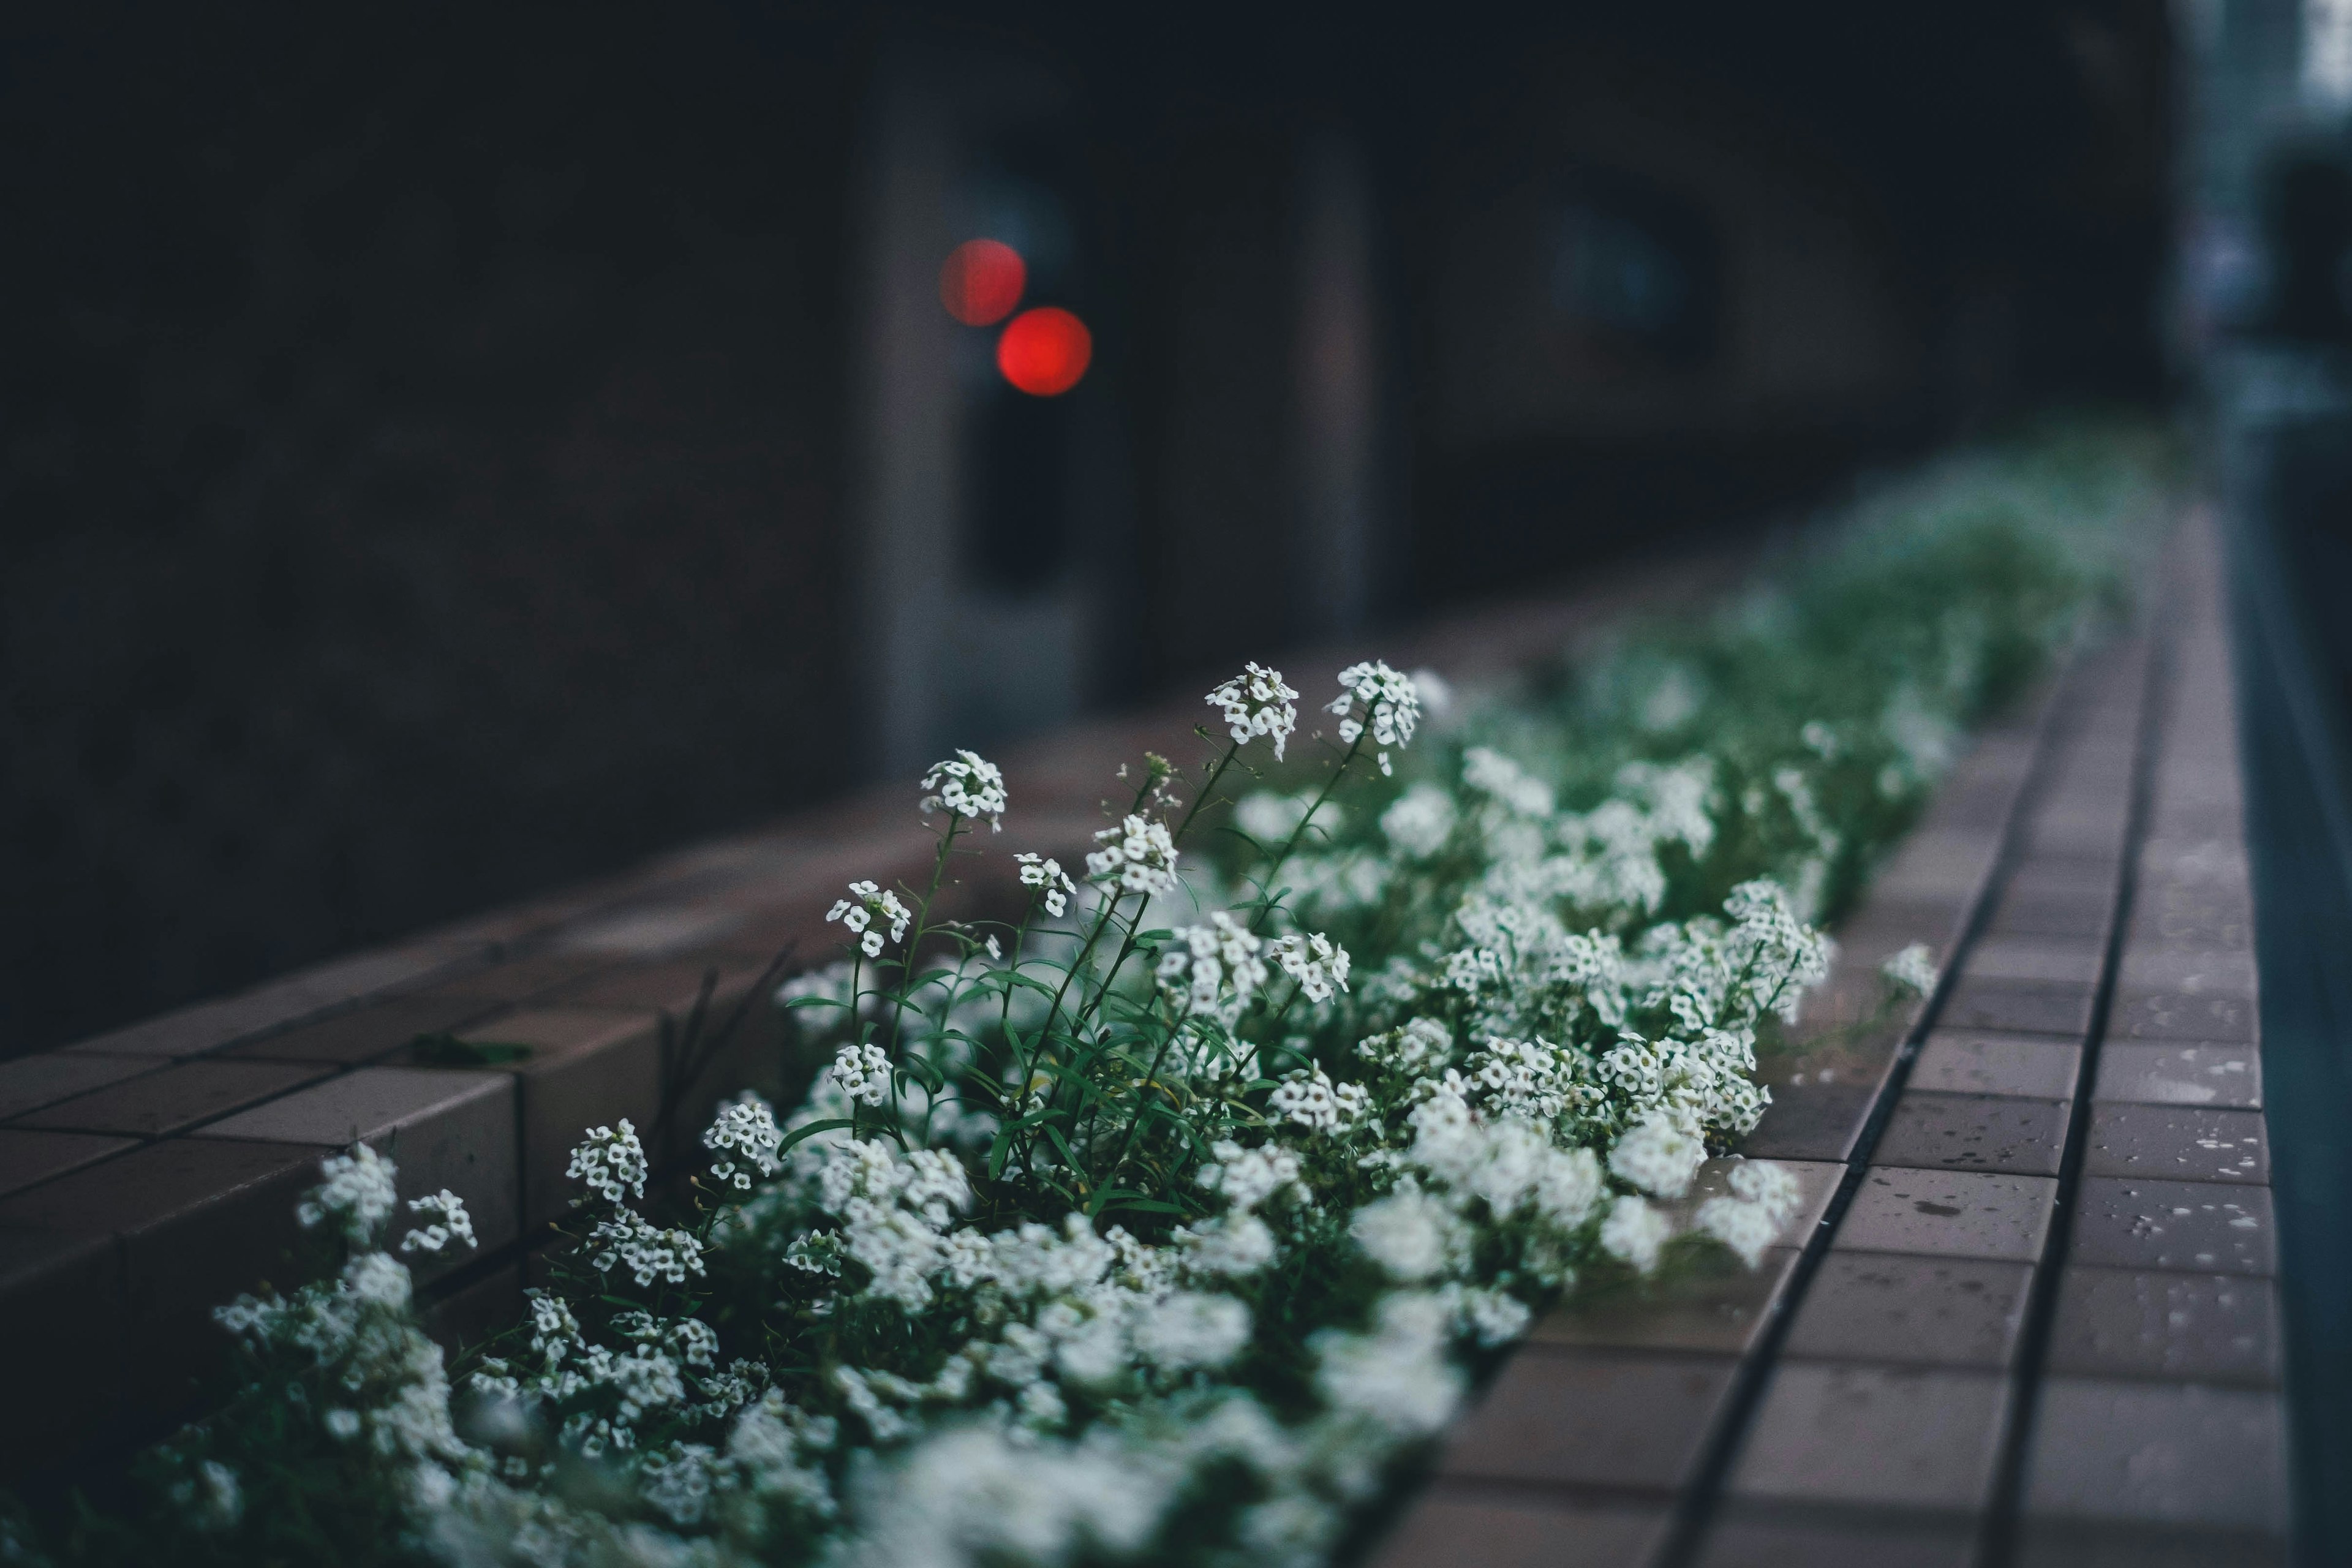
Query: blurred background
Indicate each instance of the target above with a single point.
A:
(449, 451)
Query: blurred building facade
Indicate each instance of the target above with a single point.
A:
(450, 452)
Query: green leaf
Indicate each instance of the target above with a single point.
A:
(447, 1050)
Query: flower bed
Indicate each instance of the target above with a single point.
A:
(1168, 1219)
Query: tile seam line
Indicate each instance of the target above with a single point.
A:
(1997, 1544)
(1698, 1502)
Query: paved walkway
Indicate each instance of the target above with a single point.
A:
(2029, 1315)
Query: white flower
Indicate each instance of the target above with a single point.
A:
(357, 1194)
(1420, 1046)
(1397, 1376)
(866, 910)
(1213, 970)
(447, 1220)
(967, 787)
(1634, 1231)
(862, 1072)
(1038, 872)
(626, 1239)
(1313, 1102)
(610, 1163)
(1412, 1235)
(1257, 702)
(1747, 1228)
(1139, 856)
(1494, 775)
(1233, 1244)
(1315, 961)
(1420, 821)
(1775, 1187)
(1191, 1329)
(1491, 1317)
(1250, 1177)
(1392, 706)
(746, 1135)
(1659, 1156)
(1911, 970)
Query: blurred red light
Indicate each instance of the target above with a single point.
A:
(982, 281)
(1044, 352)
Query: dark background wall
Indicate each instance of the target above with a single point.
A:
(429, 469)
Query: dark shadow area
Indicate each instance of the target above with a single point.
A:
(451, 452)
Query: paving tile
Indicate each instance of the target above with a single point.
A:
(192, 1031)
(1948, 1214)
(199, 1220)
(1948, 861)
(1714, 1305)
(2079, 913)
(1817, 1183)
(2060, 1543)
(521, 979)
(63, 1325)
(44, 1078)
(1926, 1311)
(2159, 1454)
(1639, 1420)
(2166, 1073)
(2185, 1143)
(2177, 917)
(649, 931)
(2164, 1015)
(28, 1157)
(1812, 1120)
(443, 1128)
(1455, 1528)
(179, 1096)
(670, 986)
(2195, 1226)
(2196, 970)
(2019, 1006)
(2030, 1067)
(2187, 1328)
(2047, 959)
(1749, 1537)
(1975, 1133)
(369, 1034)
(1873, 1436)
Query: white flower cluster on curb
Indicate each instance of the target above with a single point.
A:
(1174, 1233)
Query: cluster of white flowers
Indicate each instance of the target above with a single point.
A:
(626, 1239)
(1257, 702)
(1318, 963)
(611, 1165)
(1310, 1099)
(357, 1196)
(862, 1071)
(1913, 969)
(868, 909)
(1391, 703)
(967, 787)
(1139, 856)
(446, 1220)
(1036, 872)
(1213, 970)
(745, 1137)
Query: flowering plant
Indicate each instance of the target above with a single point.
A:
(1168, 1218)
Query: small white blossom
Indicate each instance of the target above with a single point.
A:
(1412, 1235)
(745, 1136)
(966, 786)
(446, 1221)
(357, 1196)
(611, 1165)
(647, 1251)
(1138, 856)
(1213, 970)
(1420, 821)
(1418, 1047)
(1250, 1177)
(1318, 963)
(1039, 872)
(1392, 706)
(1313, 1102)
(1257, 702)
(862, 1072)
(1635, 1232)
(1911, 970)
(1234, 1244)
(1747, 1228)
(1659, 1156)
(869, 908)
(1190, 1330)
